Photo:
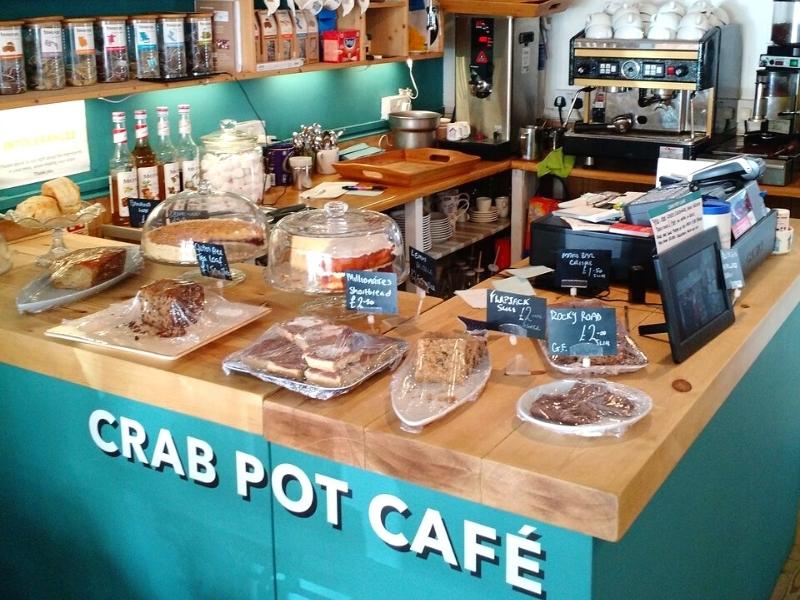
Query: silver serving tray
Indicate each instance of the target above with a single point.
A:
(40, 295)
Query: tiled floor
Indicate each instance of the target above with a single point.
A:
(788, 585)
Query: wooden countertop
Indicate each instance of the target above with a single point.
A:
(393, 196)
(482, 452)
(789, 191)
(193, 385)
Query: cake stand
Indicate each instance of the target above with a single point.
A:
(86, 214)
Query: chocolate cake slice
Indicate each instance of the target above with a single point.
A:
(171, 305)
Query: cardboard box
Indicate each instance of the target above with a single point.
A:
(301, 33)
(257, 37)
(227, 33)
(341, 45)
(268, 26)
(312, 42)
(286, 49)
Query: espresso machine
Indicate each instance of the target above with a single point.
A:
(773, 131)
(648, 99)
(496, 67)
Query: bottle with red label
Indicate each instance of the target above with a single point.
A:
(122, 179)
(145, 160)
(169, 165)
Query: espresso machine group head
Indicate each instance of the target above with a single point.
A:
(654, 99)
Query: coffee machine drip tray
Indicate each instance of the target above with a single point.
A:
(635, 145)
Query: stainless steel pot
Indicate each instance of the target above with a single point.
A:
(414, 128)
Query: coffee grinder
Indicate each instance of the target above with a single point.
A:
(773, 132)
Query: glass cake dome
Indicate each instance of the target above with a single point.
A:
(310, 251)
(204, 215)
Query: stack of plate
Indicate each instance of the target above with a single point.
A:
(441, 228)
(488, 216)
(400, 217)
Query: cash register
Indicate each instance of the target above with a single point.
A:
(733, 181)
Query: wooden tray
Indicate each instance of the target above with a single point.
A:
(407, 167)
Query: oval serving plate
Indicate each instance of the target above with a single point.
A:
(615, 427)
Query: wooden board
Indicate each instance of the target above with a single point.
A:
(407, 167)
(506, 8)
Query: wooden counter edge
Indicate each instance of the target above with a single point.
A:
(193, 397)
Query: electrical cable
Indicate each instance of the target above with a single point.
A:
(110, 101)
(410, 65)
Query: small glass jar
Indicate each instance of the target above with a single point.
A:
(232, 161)
(200, 43)
(43, 42)
(112, 49)
(143, 47)
(80, 59)
(171, 47)
(12, 60)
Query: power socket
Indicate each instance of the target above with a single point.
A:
(390, 104)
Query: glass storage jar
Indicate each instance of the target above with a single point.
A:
(310, 251)
(143, 47)
(80, 59)
(232, 161)
(200, 43)
(171, 47)
(112, 49)
(43, 43)
(204, 215)
(12, 60)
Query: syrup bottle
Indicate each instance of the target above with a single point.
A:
(169, 167)
(145, 160)
(122, 181)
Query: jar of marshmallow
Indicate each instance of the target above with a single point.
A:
(232, 162)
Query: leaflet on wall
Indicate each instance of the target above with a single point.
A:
(42, 142)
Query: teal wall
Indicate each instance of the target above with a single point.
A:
(344, 98)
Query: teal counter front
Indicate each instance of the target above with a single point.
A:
(107, 495)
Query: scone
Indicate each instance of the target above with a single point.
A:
(82, 269)
(41, 208)
(66, 192)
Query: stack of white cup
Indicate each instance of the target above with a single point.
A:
(669, 21)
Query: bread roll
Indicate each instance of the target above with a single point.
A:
(40, 208)
(66, 192)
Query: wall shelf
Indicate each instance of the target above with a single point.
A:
(134, 86)
(467, 234)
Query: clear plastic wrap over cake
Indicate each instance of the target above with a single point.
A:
(42, 294)
(443, 372)
(168, 331)
(584, 407)
(315, 357)
(629, 357)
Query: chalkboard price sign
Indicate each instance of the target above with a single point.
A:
(732, 269)
(212, 260)
(422, 271)
(139, 209)
(371, 292)
(582, 331)
(583, 268)
(187, 214)
(516, 313)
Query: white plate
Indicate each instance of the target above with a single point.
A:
(110, 328)
(417, 405)
(642, 401)
(39, 295)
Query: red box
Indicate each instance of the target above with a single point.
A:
(341, 45)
